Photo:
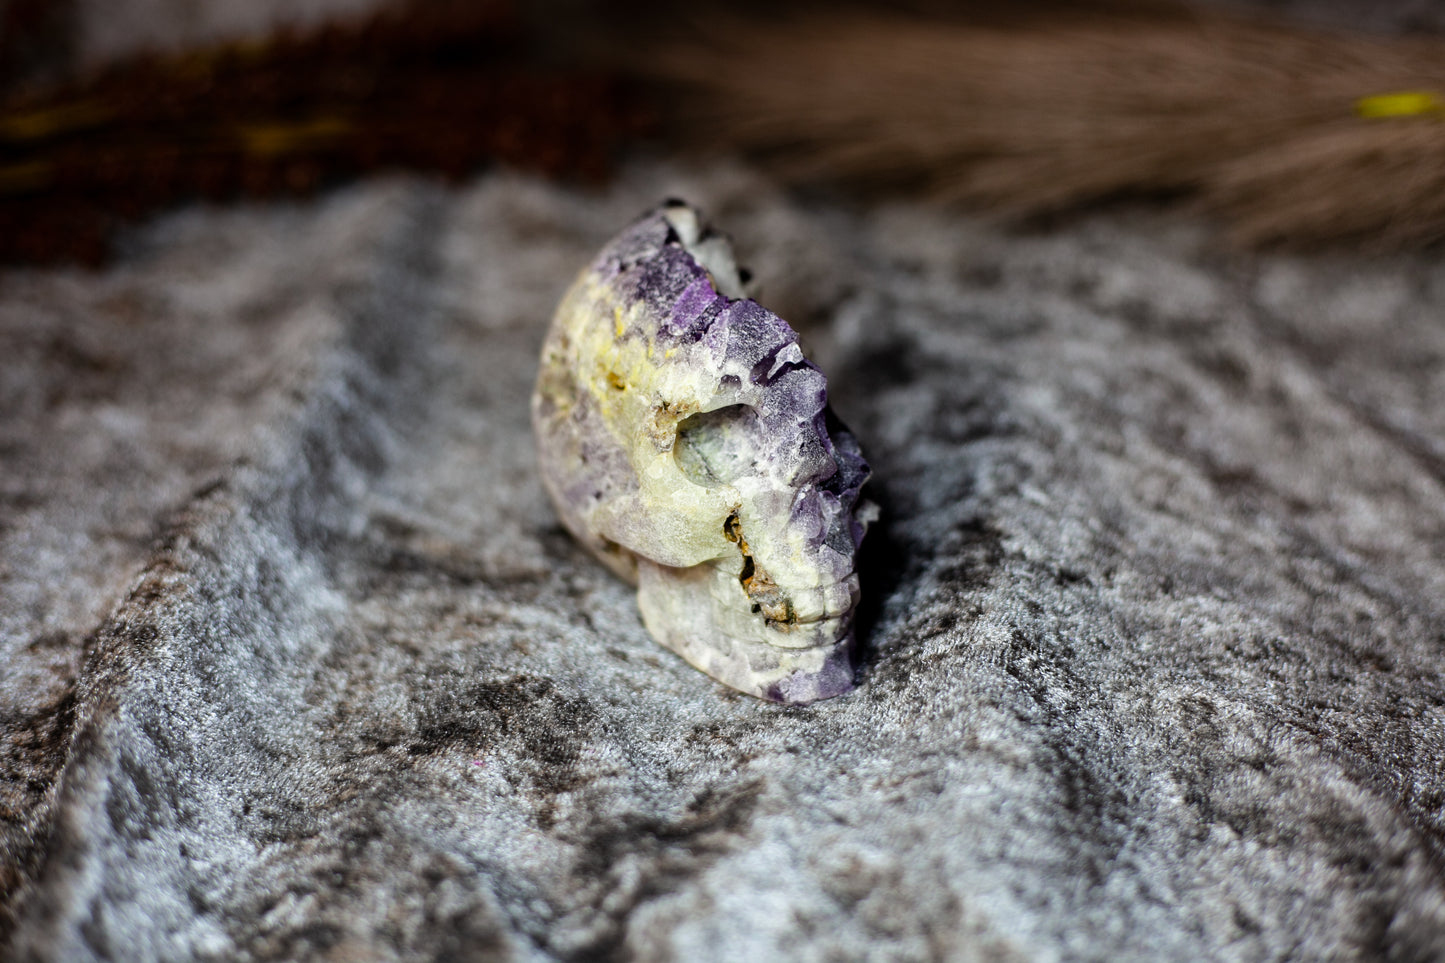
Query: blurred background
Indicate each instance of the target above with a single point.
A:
(1301, 123)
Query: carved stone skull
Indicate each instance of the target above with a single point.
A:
(686, 441)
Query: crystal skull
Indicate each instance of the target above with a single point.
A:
(688, 444)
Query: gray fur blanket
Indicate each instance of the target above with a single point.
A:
(297, 663)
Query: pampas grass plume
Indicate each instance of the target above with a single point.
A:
(1270, 126)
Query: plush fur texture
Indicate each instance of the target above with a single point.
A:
(297, 662)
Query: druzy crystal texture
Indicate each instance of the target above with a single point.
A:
(686, 441)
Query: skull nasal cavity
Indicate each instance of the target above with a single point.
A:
(716, 447)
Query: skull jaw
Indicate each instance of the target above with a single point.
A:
(681, 609)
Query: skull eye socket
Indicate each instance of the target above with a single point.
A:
(717, 447)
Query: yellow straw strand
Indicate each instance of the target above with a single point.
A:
(40, 124)
(1404, 103)
(269, 140)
